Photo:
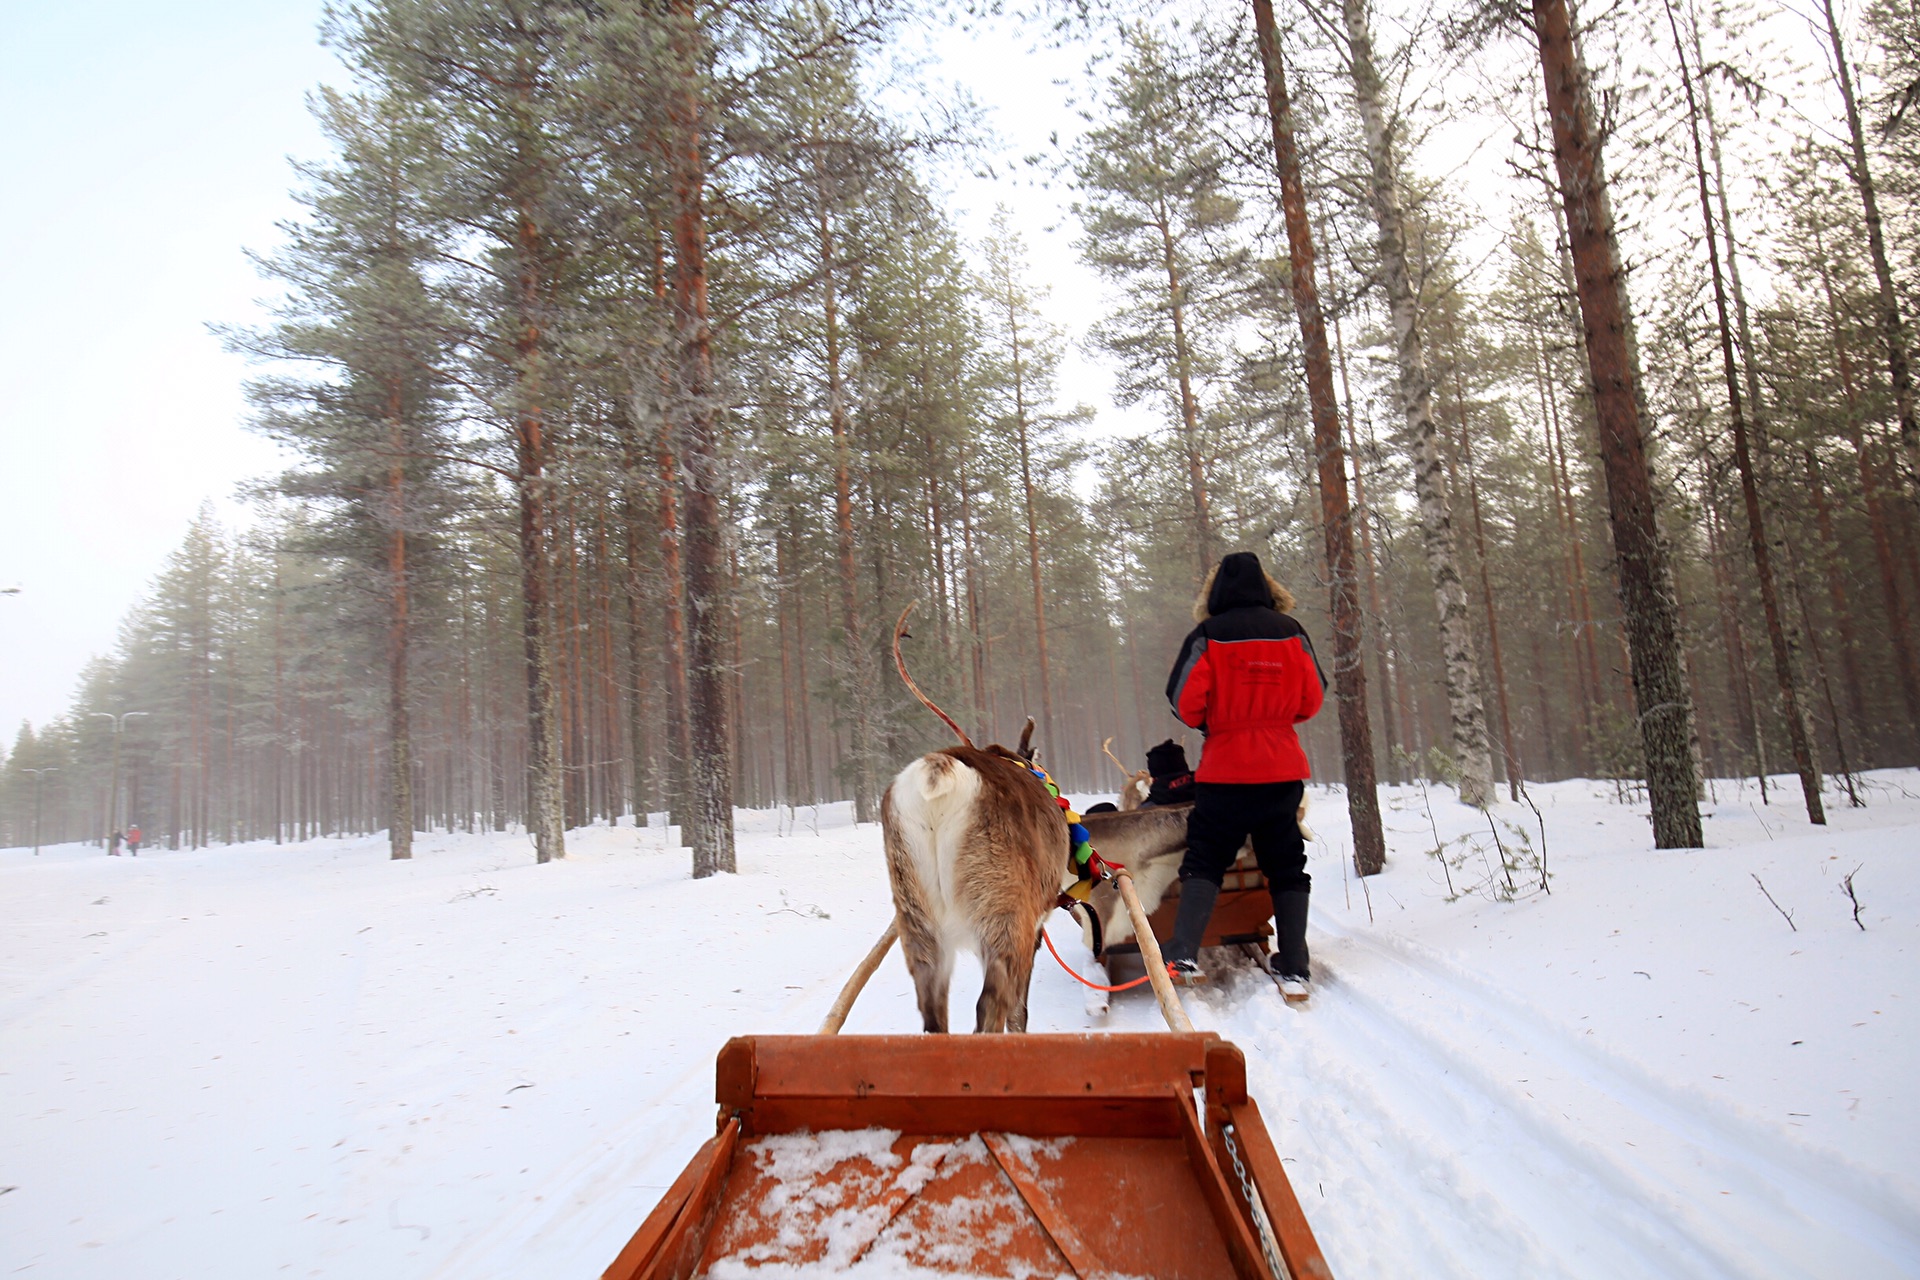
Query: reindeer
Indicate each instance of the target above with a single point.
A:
(977, 855)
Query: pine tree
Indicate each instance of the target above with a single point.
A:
(1785, 675)
(372, 416)
(1665, 708)
(1029, 352)
(1349, 663)
(1156, 209)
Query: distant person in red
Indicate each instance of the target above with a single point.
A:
(133, 839)
(1245, 677)
(113, 845)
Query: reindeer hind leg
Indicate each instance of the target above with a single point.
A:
(1003, 995)
(932, 968)
(928, 959)
(930, 985)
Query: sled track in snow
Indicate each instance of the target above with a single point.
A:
(604, 1190)
(1392, 1095)
(122, 939)
(1609, 1172)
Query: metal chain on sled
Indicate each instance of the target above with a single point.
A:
(1259, 1211)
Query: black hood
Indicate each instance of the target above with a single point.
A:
(1239, 582)
(1168, 760)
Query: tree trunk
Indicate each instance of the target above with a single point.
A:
(1349, 661)
(793, 783)
(1033, 535)
(976, 616)
(1837, 598)
(1585, 629)
(1382, 632)
(710, 764)
(803, 696)
(636, 633)
(1189, 408)
(1893, 327)
(673, 581)
(1549, 393)
(1732, 638)
(1465, 707)
(859, 674)
(279, 709)
(399, 736)
(1783, 667)
(1903, 647)
(1507, 745)
(673, 590)
(543, 748)
(1665, 709)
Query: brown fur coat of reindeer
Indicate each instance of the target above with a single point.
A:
(976, 855)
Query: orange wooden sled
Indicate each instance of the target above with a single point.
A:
(1035, 1155)
(1004, 1155)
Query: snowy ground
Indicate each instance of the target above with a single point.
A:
(308, 1060)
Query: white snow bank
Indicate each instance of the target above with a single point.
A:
(308, 1060)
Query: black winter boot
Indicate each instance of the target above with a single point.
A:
(1190, 925)
(1290, 934)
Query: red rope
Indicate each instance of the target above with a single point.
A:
(1125, 986)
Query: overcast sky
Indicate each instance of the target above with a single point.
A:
(146, 147)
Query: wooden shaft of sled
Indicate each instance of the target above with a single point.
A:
(837, 1016)
(1150, 952)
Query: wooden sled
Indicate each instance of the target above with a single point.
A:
(1035, 1155)
(1242, 914)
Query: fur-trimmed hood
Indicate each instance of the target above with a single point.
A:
(1239, 589)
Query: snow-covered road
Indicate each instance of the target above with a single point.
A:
(307, 1060)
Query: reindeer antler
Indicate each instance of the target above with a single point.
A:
(900, 629)
(1125, 772)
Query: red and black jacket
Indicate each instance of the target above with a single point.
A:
(1245, 677)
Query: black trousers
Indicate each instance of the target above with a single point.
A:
(1224, 814)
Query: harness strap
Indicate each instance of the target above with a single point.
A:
(1125, 986)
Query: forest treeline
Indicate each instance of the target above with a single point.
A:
(638, 378)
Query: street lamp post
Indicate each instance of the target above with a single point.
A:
(113, 791)
(38, 777)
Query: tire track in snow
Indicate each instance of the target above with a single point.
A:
(1429, 1100)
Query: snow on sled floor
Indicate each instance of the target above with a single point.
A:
(307, 1060)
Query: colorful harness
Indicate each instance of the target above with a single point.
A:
(1087, 861)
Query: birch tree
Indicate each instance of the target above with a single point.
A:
(1467, 709)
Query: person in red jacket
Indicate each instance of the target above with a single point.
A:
(1245, 677)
